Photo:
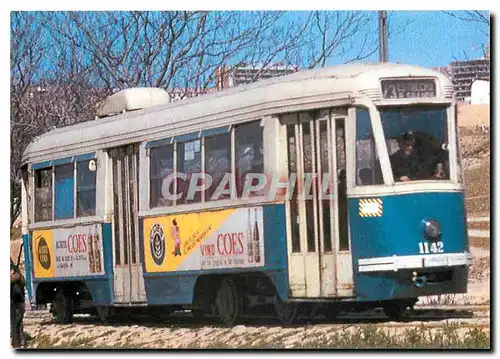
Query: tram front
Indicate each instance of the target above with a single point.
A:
(406, 201)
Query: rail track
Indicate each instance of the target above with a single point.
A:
(424, 314)
(181, 330)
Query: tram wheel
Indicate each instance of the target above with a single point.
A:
(227, 302)
(62, 306)
(287, 313)
(395, 311)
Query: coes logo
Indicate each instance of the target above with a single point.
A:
(43, 253)
(157, 243)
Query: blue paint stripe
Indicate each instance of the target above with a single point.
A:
(214, 271)
(107, 248)
(188, 137)
(159, 143)
(85, 157)
(40, 165)
(215, 131)
(276, 249)
(63, 161)
(74, 278)
(27, 263)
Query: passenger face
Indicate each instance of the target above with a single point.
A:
(407, 147)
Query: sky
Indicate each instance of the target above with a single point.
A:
(431, 39)
(434, 38)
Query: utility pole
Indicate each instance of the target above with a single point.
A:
(382, 29)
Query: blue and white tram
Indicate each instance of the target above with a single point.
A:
(337, 188)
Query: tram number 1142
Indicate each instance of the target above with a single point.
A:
(436, 247)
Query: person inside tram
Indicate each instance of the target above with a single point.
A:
(409, 164)
(405, 161)
(365, 176)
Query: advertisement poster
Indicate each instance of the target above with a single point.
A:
(68, 252)
(231, 238)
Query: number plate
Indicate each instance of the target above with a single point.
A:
(428, 248)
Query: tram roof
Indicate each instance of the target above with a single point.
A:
(303, 89)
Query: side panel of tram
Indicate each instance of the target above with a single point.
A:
(179, 248)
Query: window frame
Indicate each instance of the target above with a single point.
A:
(35, 187)
(374, 149)
(52, 165)
(207, 195)
(76, 191)
(201, 136)
(450, 138)
(171, 153)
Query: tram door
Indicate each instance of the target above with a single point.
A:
(128, 276)
(320, 261)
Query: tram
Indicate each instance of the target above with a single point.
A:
(337, 189)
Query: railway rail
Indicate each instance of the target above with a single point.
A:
(181, 330)
(427, 314)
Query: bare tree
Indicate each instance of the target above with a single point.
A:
(25, 61)
(345, 35)
(64, 63)
(187, 49)
(49, 88)
(478, 17)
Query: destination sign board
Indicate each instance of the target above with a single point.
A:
(401, 89)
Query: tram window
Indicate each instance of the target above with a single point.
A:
(367, 162)
(161, 165)
(64, 191)
(217, 162)
(85, 189)
(418, 142)
(43, 195)
(325, 171)
(188, 162)
(342, 186)
(249, 152)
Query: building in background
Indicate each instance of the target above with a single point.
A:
(464, 73)
(227, 77)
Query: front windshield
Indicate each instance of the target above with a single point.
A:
(417, 142)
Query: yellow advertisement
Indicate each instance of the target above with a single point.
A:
(43, 254)
(205, 240)
(68, 252)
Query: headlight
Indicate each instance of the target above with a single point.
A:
(432, 228)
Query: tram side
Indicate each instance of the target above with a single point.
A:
(139, 224)
(92, 249)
